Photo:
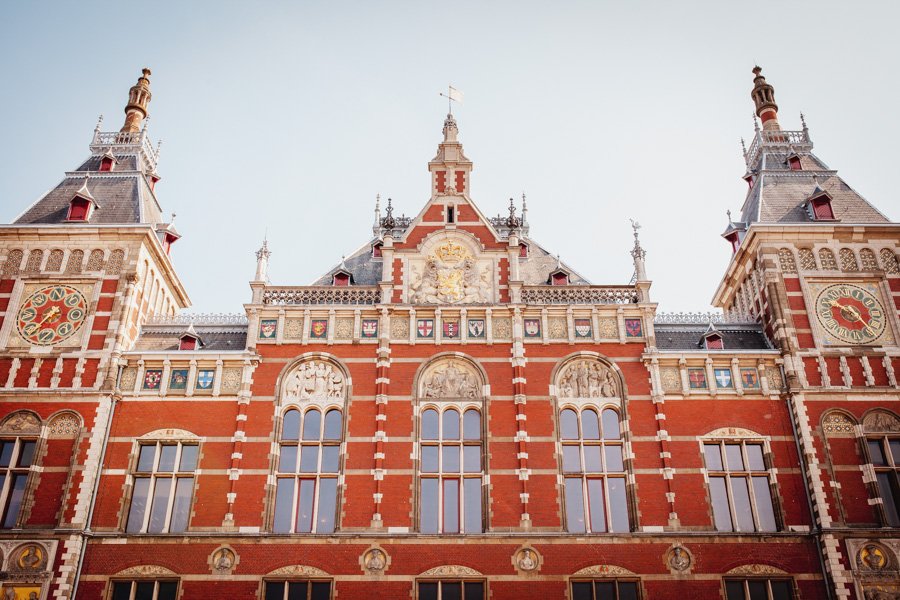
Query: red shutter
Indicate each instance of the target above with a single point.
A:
(714, 342)
(523, 250)
(106, 164)
(187, 343)
(560, 279)
(822, 210)
(376, 251)
(78, 209)
(341, 279)
(794, 162)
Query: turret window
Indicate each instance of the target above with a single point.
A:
(376, 249)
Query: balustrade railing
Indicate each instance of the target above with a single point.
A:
(322, 295)
(775, 139)
(113, 139)
(580, 294)
(703, 318)
(198, 319)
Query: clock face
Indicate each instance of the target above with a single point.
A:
(51, 315)
(850, 313)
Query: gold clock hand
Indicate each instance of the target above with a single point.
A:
(854, 315)
(54, 310)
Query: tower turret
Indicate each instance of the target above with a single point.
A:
(763, 95)
(138, 99)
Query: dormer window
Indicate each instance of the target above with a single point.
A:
(559, 278)
(376, 249)
(713, 341)
(821, 209)
(523, 250)
(187, 342)
(734, 239)
(153, 177)
(107, 161)
(80, 209)
(341, 278)
(793, 162)
(748, 177)
(167, 239)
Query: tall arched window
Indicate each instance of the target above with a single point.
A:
(18, 440)
(593, 471)
(307, 471)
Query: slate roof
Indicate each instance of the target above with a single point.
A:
(216, 338)
(690, 337)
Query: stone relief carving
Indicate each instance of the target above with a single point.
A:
(558, 328)
(231, 379)
(314, 380)
(879, 593)
(375, 560)
(773, 374)
(223, 561)
(838, 424)
(527, 560)
(881, 422)
(450, 275)
(873, 557)
(670, 378)
(732, 432)
(603, 571)
(502, 328)
(298, 571)
(293, 329)
(399, 328)
(756, 569)
(343, 329)
(450, 378)
(587, 378)
(678, 559)
(65, 425)
(29, 557)
(608, 328)
(129, 377)
(450, 571)
(21, 422)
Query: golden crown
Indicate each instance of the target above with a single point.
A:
(451, 252)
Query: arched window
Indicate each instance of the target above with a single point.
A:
(594, 471)
(451, 471)
(18, 440)
(882, 431)
(163, 486)
(739, 484)
(307, 471)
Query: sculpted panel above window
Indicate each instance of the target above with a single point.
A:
(315, 380)
(450, 272)
(587, 378)
(450, 379)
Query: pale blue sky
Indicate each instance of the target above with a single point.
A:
(291, 116)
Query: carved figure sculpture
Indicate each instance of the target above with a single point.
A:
(223, 560)
(527, 560)
(450, 276)
(587, 379)
(450, 381)
(375, 561)
(315, 380)
(679, 560)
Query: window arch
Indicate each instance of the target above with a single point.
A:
(882, 438)
(19, 435)
(827, 260)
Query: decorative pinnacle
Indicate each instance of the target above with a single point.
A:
(512, 221)
(755, 123)
(728, 212)
(263, 253)
(803, 121)
(388, 222)
(637, 252)
(99, 123)
(743, 148)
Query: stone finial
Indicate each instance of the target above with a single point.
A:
(138, 100)
(99, 124)
(262, 262)
(388, 222)
(524, 209)
(763, 96)
(638, 254)
(512, 221)
(451, 131)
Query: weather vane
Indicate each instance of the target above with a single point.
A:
(452, 95)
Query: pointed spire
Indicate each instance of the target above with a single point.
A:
(638, 254)
(763, 95)
(138, 100)
(524, 210)
(99, 123)
(755, 123)
(262, 262)
(376, 225)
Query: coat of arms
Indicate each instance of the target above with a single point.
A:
(634, 328)
(369, 328)
(723, 378)
(267, 328)
(476, 328)
(451, 329)
(179, 379)
(205, 379)
(582, 328)
(425, 328)
(450, 276)
(318, 328)
(532, 328)
(152, 379)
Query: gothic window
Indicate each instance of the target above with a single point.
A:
(739, 486)
(145, 589)
(884, 456)
(307, 471)
(163, 487)
(450, 589)
(451, 471)
(606, 589)
(889, 260)
(848, 260)
(786, 258)
(297, 590)
(868, 260)
(807, 259)
(758, 589)
(826, 259)
(16, 458)
(594, 471)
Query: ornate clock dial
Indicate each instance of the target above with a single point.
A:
(850, 313)
(51, 315)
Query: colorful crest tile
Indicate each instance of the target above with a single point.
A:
(425, 328)
(697, 379)
(318, 328)
(205, 379)
(750, 378)
(268, 328)
(532, 328)
(451, 329)
(583, 328)
(723, 378)
(634, 328)
(476, 328)
(369, 328)
(152, 379)
(178, 380)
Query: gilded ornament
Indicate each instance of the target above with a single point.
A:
(450, 275)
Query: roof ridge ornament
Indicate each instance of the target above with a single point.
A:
(638, 254)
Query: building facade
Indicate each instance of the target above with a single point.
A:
(450, 413)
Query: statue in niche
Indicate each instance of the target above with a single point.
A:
(450, 382)
(587, 379)
(315, 380)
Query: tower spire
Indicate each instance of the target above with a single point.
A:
(262, 261)
(138, 99)
(763, 96)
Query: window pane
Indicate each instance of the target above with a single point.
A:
(138, 504)
(290, 430)
(429, 506)
(451, 506)
(895, 451)
(327, 505)
(287, 462)
(568, 424)
(167, 590)
(16, 492)
(332, 425)
(321, 590)
(889, 495)
(451, 425)
(618, 504)
(297, 590)
(188, 459)
(582, 590)
(305, 505)
(590, 425)
(764, 509)
(312, 422)
(429, 459)
(742, 512)
(735, 459)
(472, 459)
(145, 459)
(451, 590)
(161, 488)
(614, 461)
(472, 495)
(6, 450)
(474, 590)
(428, 591)
(472, 425)
(781, 590)
(430, 424)
(713, 455)
(592, 462)
(758, 589)
(734, 590)
(309, 459)
(610, 424)
(572, 459)
(144, 590)
(574, 505)
(606, 590)
(755, 457)
(26, 454)
(596, 508)
(121, 590)
(284, 505)
(876, 452)
(628, 590)
(275, 590)
(330, 459)
(719, 497)
(450, 458)
(167, 458)
(181, 509)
